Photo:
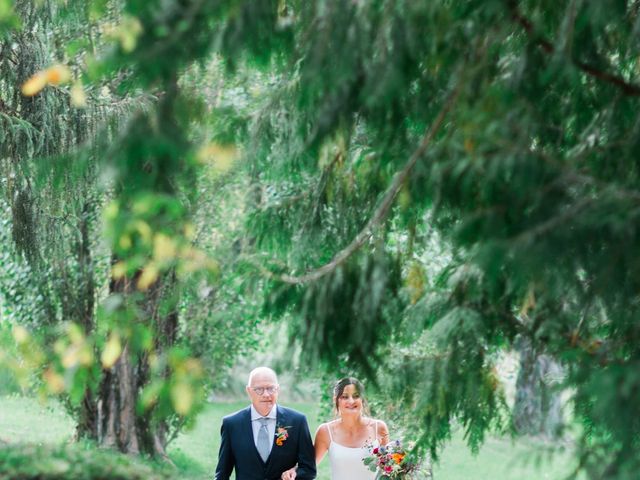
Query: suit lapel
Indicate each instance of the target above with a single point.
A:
(281, 418)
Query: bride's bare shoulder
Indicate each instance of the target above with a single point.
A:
(380, 427)
(322, 433)
(323, 428)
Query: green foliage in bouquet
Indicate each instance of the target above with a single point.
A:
(392, 461)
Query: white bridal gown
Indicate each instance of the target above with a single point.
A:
(346, 462)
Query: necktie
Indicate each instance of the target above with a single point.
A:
(263, 439)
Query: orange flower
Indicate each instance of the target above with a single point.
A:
(397, 457)
(281, 435)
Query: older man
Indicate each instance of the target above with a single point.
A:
(265, 439)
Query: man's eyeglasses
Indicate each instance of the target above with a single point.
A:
(263, 390)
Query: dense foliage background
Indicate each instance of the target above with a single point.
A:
(412, 187)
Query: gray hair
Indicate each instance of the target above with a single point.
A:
(261, 371)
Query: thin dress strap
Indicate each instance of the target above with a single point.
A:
(329, 428)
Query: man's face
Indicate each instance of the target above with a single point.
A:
(263, 392)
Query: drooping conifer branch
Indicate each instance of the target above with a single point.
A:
(547, 47)
(382, 211)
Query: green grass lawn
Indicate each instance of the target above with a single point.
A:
(503, 459)
(195, 451)
(27, 420)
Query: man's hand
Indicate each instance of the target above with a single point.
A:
(289, 474)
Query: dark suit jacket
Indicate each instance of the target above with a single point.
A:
(238, 450)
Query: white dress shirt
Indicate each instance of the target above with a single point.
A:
(271, 425)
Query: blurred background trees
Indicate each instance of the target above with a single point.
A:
(413, 188)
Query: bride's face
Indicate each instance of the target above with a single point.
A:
(350, 401)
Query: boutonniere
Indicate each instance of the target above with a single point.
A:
(282, 433)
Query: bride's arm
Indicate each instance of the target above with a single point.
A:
(322, 442)
(383, 432)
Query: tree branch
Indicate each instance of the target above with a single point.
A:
(527, 25)
(551, 223)
(383, 210)
(580, 178)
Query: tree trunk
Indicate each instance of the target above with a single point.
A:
(86, 419)
(118, 424)
(118, 406)
(537, 409)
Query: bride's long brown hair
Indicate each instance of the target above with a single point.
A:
(339, 387)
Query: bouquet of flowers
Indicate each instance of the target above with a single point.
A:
(390, 462)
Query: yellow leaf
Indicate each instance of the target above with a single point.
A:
(70, 358)
(54, 381)
(148, 276)
(182, 398)
(196, 260)
(193, 366)
(85, 355)
(20, 334)
(76, 335)
(119, 270)
(144, 230)
(129, 31)
(125, 242)
(78, 95)
(143, 204)
(126, 33)
(154, 361)
(220, 157)
(34, 85)
(59, 347)
(415, 282)
(150, 394)
(112, 351)
(164, 248)
(127, 42)
(404, 198)
(189, 231)
(57, 74)
(111, 210)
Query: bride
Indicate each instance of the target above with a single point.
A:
(347, 437)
